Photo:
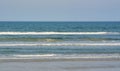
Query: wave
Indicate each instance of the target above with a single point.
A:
(61, 44)
(58, 56)
(58, 33)
(35, 55)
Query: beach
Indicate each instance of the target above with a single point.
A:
(60, 65)
(59, 46)
(59, 35)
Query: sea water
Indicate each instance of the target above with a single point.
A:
(59, 40)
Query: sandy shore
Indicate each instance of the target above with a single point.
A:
(59, 64)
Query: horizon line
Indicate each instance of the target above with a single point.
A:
(59, 21)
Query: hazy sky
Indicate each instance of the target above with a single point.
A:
(59, 10)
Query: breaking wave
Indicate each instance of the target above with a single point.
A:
(59, 33)
(61, 44)
(55, 56)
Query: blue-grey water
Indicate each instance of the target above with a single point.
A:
(59, 39)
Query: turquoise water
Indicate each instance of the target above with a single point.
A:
(59, 39)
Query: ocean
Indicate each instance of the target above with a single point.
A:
(59, 40)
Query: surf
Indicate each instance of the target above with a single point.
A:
(60, 44)
(58, 33)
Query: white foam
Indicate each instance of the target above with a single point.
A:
(37, 55)
(62, 56)
(61, 44)
(72, 56)
(57, 33)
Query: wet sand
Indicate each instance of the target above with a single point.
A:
(59, 64)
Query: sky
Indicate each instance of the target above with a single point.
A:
(59, 10)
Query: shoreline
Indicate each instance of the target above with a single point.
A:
(57, 59)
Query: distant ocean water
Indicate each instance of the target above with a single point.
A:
(59, 40)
